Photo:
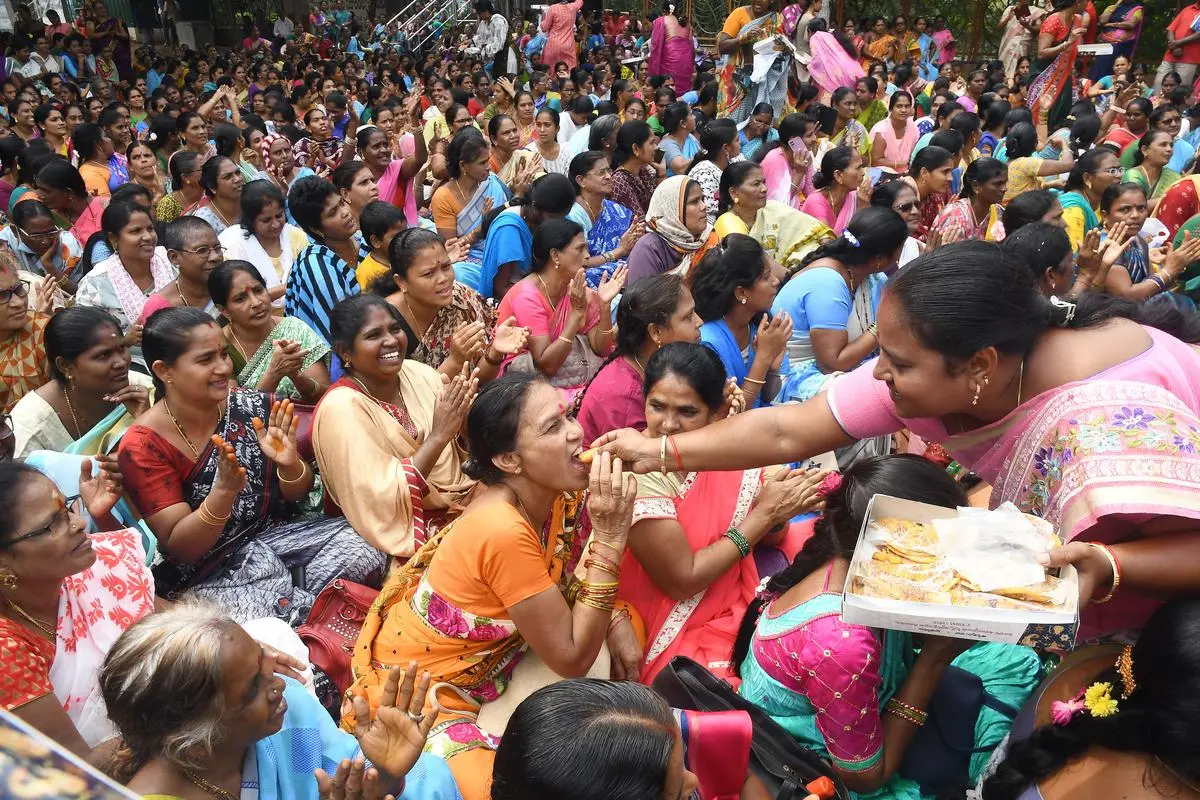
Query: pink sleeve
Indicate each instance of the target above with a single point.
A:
(862, 405)
(845, 693)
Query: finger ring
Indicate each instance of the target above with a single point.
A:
(415, 717)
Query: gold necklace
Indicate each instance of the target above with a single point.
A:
(413, 315)
(208, 786)
(74, 419)
(546, 289)
(521, 507)
(182, 296)
(217, 211)
(593, 213)
(44, 628)
(178, 427)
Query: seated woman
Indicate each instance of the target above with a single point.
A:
(264, 237)
(1112, 721)
(1133, 276)
(832, 301)
(186, 193)
(977, 213)
(460, 204)
(508, 161)
(92, 396)
(459, 328)
(1046, 251)
(215, 473)
(894, 137)
(570, 326)
(193, 250)
(60, 611)
(610, 228)
(719, 146)
(22, 334)
(788, 164)
(1025, 169)
(1095, 171)
(930, 173)
(222, 182)
(138, 267)
(677, 233)
(786, 234)
(1150, 164)
(797, 659)
(388, 418)
(734, 287)
(653, 312)
(356, 185)
(840, 190)
(204, 710)
(61, 187)
(94, 148)
(635, 173)
(39, 246)
(693, 533)
(267, 353)
(500, 580)
(324, 272)
(508, 236)
(901, 197)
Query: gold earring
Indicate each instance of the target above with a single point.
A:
(556, 262)
(975, 399)
(8, 580)
(736, 200)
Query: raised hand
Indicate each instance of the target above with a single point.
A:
(455, 401)
(735, 401)
(351, 781)
(458, 248)
(864, 191)
(611, 492)
(1183, 256)
(43, 298)
(135, 398)
(467, 342)
(773, 335)
(631, 236)
(610, 285)
(102, 490)
(231, 475)
(393, 740)
(510, 338)
(277, 436)
(577, 292)
(790, 492)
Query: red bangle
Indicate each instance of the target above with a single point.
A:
(675, 450)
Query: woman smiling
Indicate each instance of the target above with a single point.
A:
(388, 417)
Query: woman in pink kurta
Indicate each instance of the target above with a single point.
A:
(559, 25)
(671, 50)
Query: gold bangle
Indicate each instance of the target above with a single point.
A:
(603, 566)
(910, 714)
(599, 605)
(754, 380)
(1107, 552)
(289, 481)
(209, 518)
(662, 454)
(621, 613)
(605, 332)
(567, 339)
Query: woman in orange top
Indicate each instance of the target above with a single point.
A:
(500, 579)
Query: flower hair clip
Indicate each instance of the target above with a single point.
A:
(851, 238)
(830, 484)
(1096, 700)
(761, 592)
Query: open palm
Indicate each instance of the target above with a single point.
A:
(394, 739)
(277, 436)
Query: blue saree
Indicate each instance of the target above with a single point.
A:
(716, 334)
(508, 240)
(603, 235)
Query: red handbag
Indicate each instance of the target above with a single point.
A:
(333, 626)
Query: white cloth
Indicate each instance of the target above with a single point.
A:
(237, 246)
(490, 36)
(284, 27)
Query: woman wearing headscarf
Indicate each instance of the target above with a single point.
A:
(677, 230)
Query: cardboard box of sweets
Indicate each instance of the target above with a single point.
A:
(910, 589)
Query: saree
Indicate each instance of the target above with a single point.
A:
(249, 370)
(1166, 179)
(1178, 204)
(470, 647)
(281, 766)
(1096, 458)
(737, 91)
(817, 206)
(853, 135)
(1079, 216)
(720, 338)
(874, 113)
(23, 364)
(1124, 41)
(364, 448)
(509, 240)
(881, 49)
(959, 215)
(831, 66)
(787, 234)
(1057, 75)
(827, 683)
(471, 216)
(248, 568)
(704, 626)
(672, 55)
(603, 235)
(781, 186)
(466, 306)
(531, 309)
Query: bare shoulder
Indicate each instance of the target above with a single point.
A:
(1064, 356)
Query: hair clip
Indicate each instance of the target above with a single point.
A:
(851, 238)
(1125, 670)
(830, 484)
(1068, 306)
(761, 592)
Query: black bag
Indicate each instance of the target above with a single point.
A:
(939, 755)
(781, 762)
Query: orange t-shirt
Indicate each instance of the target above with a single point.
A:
(1180, 27)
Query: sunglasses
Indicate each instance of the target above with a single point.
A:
(904, 208)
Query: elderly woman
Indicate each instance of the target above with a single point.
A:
(22, 333)
(493, 585)
(279, 161)
(609, 227)
(215, 471)
(168, 680)
(186, 193)
(677, 233)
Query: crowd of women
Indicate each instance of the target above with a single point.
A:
(417, 411)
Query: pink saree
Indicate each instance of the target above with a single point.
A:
(817, 205)
(704, 626)
(831, 66)
(672, 55)
(1097, 458)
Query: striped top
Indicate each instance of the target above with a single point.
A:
(319, 279)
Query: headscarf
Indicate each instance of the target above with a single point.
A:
(264, 147)
(664, 215)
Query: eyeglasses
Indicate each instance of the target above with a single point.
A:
(60, 520)
(205, 252)
(19, 289)
(1114, 171)
(904, 208)
(43, 236)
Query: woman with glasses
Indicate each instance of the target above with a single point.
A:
(1095, 171)
(222, 183)
(610, 227)
(39, 246)
(22, 350)
(901, 197)
(194, 251)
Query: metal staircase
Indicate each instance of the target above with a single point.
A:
(418, 17)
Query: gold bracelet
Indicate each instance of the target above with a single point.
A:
(605, 332)
(603, 566)
(621, 613)
(910, 714)
(290, 481)
(1107, 552)
(599, 605)
(662, 454)
(591, 549)
(754, 380)
(209, 518)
